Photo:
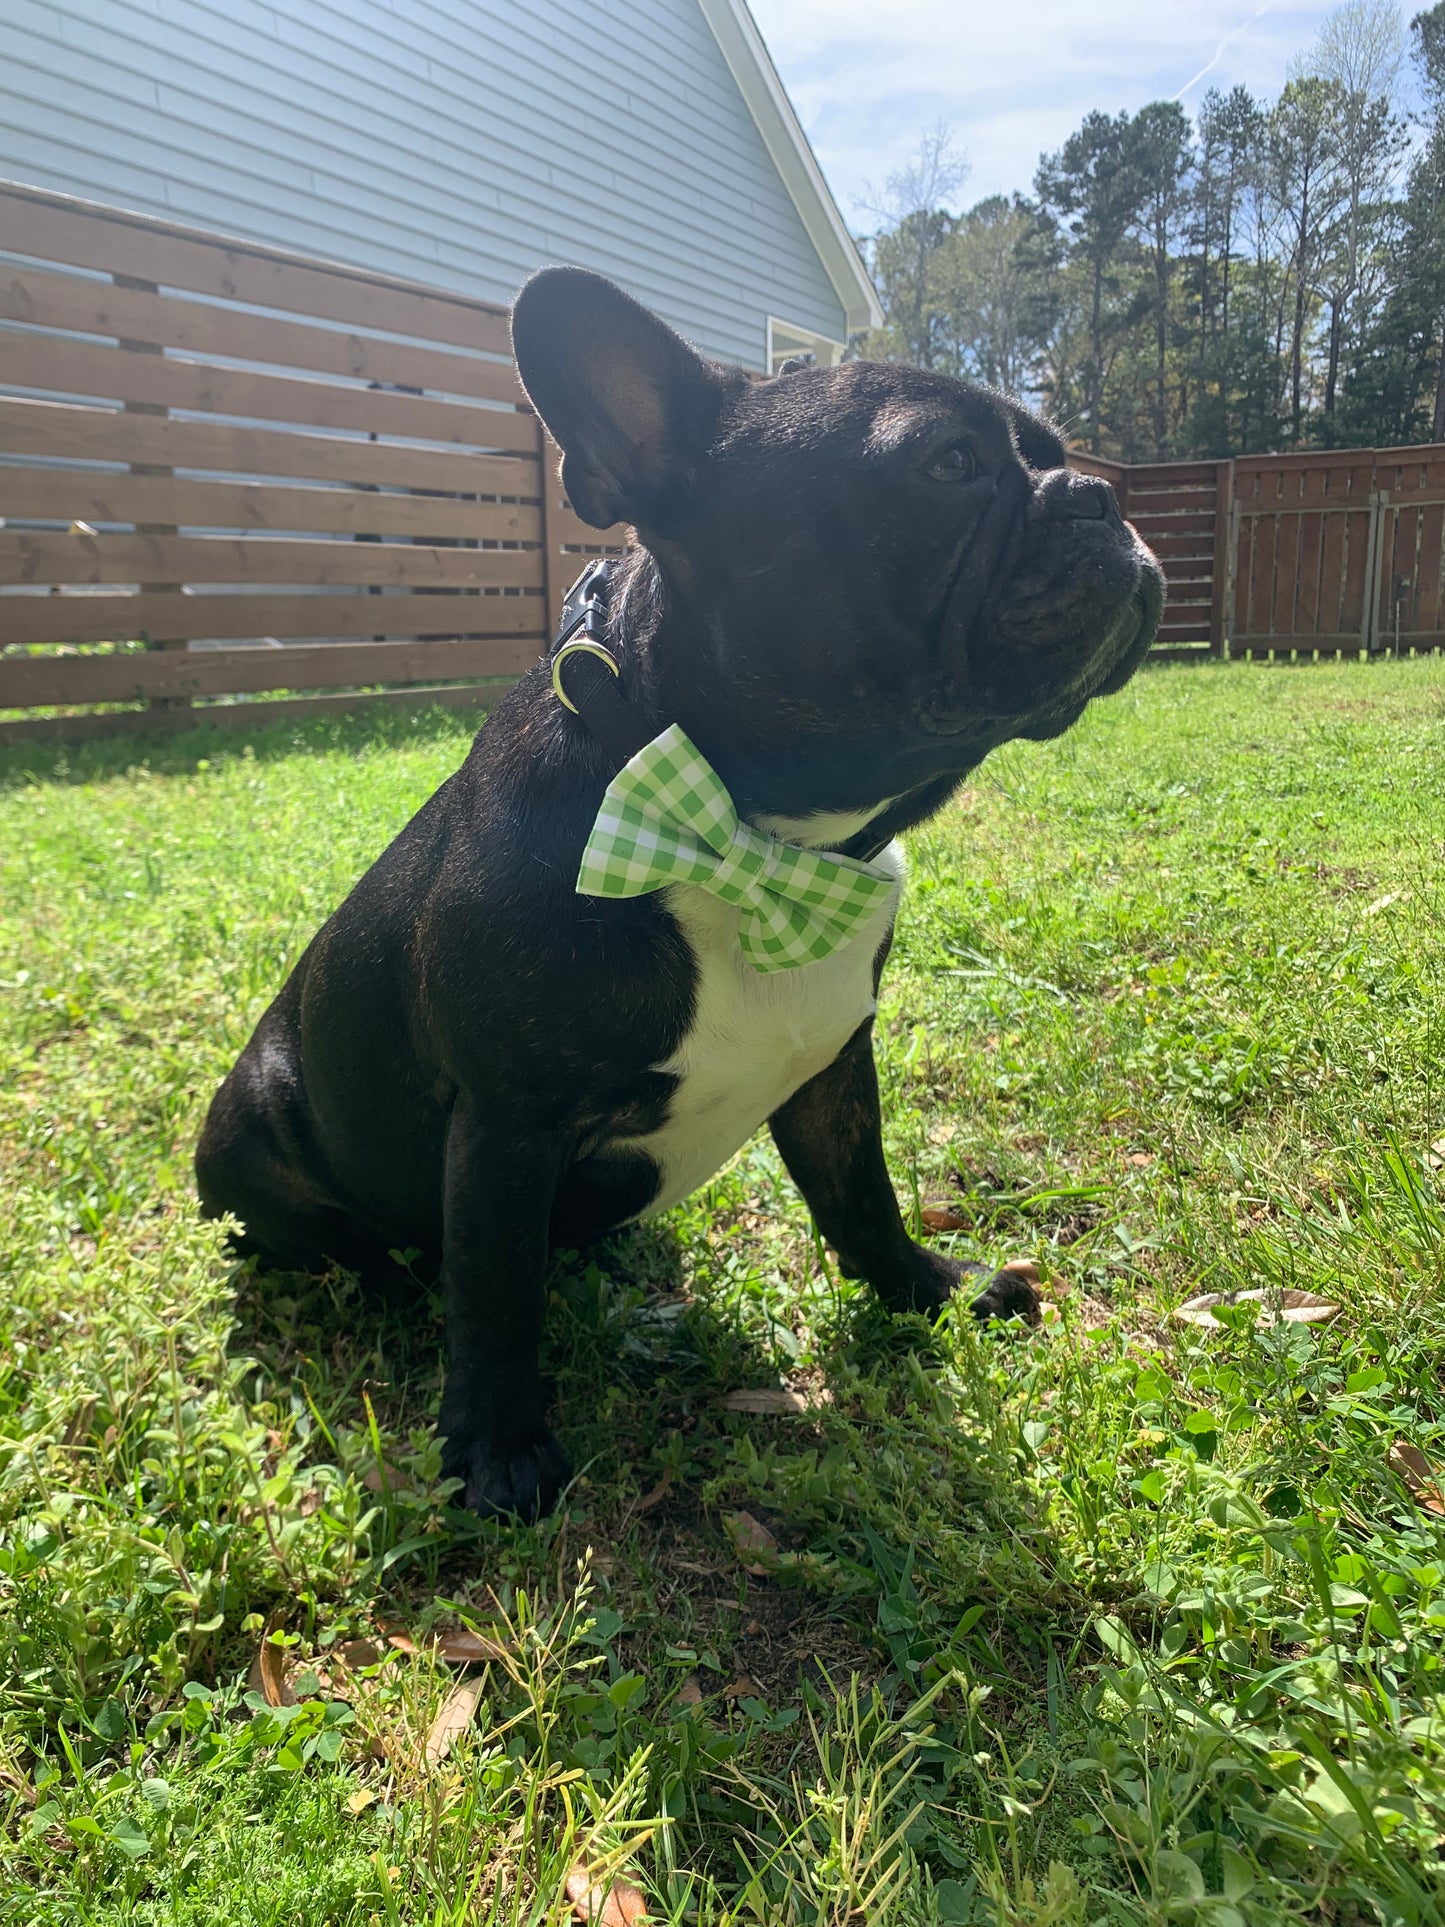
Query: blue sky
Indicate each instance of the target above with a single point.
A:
(1011, 77)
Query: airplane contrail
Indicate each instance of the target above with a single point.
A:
(1223, 47)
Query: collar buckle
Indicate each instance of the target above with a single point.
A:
(596, 694)
(582, 630)
(585, 605)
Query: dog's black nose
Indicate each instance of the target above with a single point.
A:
(1063, 496)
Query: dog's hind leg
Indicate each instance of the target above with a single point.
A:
(256, 1162)
(830, 1134)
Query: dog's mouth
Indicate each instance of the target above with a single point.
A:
(1122, 652)
(1037, 683)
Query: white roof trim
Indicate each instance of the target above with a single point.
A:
(752, 66)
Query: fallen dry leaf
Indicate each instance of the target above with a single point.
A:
(1435, 1156)
(1418, 1474)
(618, 1904)
(360, 1800)
(459, 1644)
(270, 1667)
(765, 1399)
(457, 1711)
(1140, 1159)
(355, 1654)
(656, 1496)
(1284, 1307)
(463, 1647)
(943, 1217)
(689, 1693)
(754, 1544)
(741, 1688)
(381, 1477)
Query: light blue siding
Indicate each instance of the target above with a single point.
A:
(438, 139)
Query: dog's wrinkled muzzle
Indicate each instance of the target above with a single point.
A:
(1073, 603)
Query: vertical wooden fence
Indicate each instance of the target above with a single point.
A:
(1325, 553)
(205, 444)
(1339, 553)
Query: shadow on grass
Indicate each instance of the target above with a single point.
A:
(169, 752)
(898, 1539)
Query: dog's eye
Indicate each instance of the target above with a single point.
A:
(956, 464)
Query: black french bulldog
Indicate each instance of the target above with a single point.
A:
(849, 585)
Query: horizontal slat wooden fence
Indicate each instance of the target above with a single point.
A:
(1182, 510)
(205, 443)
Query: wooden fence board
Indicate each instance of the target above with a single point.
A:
(1358, 530)
(1220, 564)
(1147, 475)
(1432, 535)
(83, 234)
(30, 681)
(67, 302)
(63, 366)
(1181, 547)
(86, 495)
(1190, 499)
(1242, 585)
(251, 715)
(1284, 615)
(26, 619)
(1201, 527)
(1399, 586)
(60, 431)
(81, 559)
(1332, 575)
(1260, 620)
(1311, 535)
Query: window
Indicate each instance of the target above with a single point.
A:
(785, 341)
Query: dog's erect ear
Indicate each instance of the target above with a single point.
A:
(631, 406)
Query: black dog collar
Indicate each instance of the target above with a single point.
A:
(585, 673)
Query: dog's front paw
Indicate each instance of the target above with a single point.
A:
(1012, 1292)
(518, 1475)
(928, 1283)
(933, 1279)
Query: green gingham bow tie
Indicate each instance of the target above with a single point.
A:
(666, 818)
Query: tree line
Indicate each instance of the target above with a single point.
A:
(1268, 275)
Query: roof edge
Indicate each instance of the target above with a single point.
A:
(746, 53)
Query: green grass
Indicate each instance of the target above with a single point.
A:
(1119, 1621)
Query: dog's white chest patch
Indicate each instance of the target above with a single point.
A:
(756, 1037)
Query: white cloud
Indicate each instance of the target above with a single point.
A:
(1011, 78)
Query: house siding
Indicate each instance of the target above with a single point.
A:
(438, 139)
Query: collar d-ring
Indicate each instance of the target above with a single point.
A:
(578, 646)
